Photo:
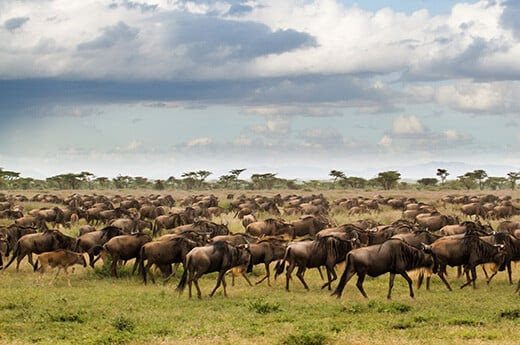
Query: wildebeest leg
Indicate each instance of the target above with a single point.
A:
(509, 273)
(288, 273)
(321, 274)
(266, 276)
(428, 278)
(359, 284)
(518, 287)
(174, 272)
(113, 269)
(441, 275)
(468, 279)
(224, 284)
(299, 274)
(136, 264)
(474, 277)
(459, 271)
(30, 259)
(53, 279)
(390, 285)
(219, 279)
(149, 271)
(91, 259)
(485, 273)
(67, 275)
(246, 278)
(409, 280)
(420, 279)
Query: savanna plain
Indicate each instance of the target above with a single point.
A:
(100, 309)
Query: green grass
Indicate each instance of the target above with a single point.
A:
(99, 309)
(104, 310)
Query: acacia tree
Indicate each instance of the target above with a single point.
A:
(478, 175)
(443, 174)
(428, 181)
(337, 175)
(467, 180)
(513, 177)
(388, 179)
(263, 181)
(7, 177)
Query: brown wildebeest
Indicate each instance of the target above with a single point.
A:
(13, 233)
(46, 241)
(393, 256)
(266, 251)
(434, 222)
(163, 254)
(248, 219)
(270, 227)
(89, 241)
(309, 225)
(125, 247)
(60, 258)
(31, 221)
(326, 251)
(468, 251)
(217, 257)
(86, 229)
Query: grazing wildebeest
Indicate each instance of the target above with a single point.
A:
(163, 254)
(393, 256)
(217, 257)
(60, 258)
(466, 250)
(326, 251)
(125, 247)
(46, 241)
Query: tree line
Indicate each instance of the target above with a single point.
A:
(198, 180)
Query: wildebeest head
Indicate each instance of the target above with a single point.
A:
(501, 257)
(244, 256)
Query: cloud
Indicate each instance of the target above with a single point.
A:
(111, 35)
(510, 16)
(386, 141)
(403, 125)
(239, 10)
(273, 126)
(323, 138)
(132, 5)
(204, 141)
(15, 23)
(492, 97)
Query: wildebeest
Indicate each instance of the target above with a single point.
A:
(266, 251)
(217, 257)
(270, 227)
(393, 256)
(46, 241)
(89, 241)
(163, 254)
(60, 258)
(326, 251)
(464, 250)
(309, 225)
(125, 247)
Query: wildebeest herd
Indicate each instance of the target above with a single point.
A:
(159, 231)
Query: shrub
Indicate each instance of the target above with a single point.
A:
(263, 307)
(305, 339)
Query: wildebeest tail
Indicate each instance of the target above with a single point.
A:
(16, 252)
(280, 265)
(184, 278)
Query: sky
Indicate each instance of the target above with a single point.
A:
(298, 87)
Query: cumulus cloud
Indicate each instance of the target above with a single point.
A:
(510, 16)
(491, 97)
(406, 125)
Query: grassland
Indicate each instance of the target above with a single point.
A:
(102, 310)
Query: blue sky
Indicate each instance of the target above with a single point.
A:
(298, 87)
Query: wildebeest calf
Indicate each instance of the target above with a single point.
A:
(61, 258)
